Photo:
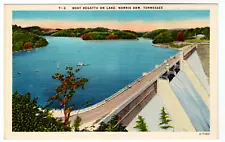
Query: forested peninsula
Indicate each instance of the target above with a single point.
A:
(98, 33)
(23, 39)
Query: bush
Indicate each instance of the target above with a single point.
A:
(86, 37)
(28, 45)
(112, 36)
(27, 116)
(111, 126)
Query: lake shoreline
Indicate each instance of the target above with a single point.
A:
(22, 50)
(181, 44)
(111, 39)
(26, 50)
(96, 39)
(161, 45)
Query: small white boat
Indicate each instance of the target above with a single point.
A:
(19, 72)
(81, 64)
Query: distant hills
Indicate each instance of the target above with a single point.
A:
(99, 33)
(33, 36)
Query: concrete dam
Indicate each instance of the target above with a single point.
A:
(180, 85)
(184, 93)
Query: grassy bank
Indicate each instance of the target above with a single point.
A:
(197, 40)
(171, 45)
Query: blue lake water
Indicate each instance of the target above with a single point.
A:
(112, 66)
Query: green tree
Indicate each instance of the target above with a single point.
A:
(99, 29)
(77, 123)
(125, 35)
(112, 126)
(197, 31)
(139, 34)
(174, 33)
(34, 29)
(164, 37)
(141, 124)
(69, 32)
(206, 32)
(154, 33)
(27, 116)
(65, 91)
(164, 120)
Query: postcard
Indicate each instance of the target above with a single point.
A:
(111, 71)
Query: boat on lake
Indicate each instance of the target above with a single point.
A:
(81, 64)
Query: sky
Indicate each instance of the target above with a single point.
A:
(141, 20)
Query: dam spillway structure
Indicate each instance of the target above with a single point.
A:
(191, 101)
(183, 90)
(181, 87)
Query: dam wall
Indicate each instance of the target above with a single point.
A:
(180, 119)
(195, 80)
(127, 114)
(129, 109)
(150, 113)
(196, 66)
(188, 51)
(191, 101)
(185, 98)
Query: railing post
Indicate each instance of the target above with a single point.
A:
(167, 68)
(181, 56)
